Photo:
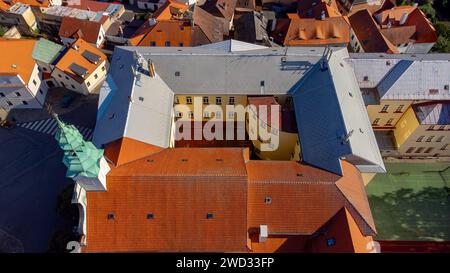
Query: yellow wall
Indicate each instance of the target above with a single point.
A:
(405, 127)
(374, 112)
(182, 100)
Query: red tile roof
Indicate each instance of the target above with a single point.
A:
(309, 31)
(368, 33)
(179, 194)
(77, 28)
(303, 198)
(180, 186)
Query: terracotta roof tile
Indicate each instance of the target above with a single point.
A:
(169, 10)
(73, 27)
(210, 25)
(331, 30)
(179, 195)
(13, 64)
(75, 56)
(368, 33)
(126, 149)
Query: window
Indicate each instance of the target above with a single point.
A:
(410, 150)
(375, 122)
(444, 147)
(366, 78)
(384, 109)
(59, 75)
(150, 216)
(67, 78)
(218, 100)
(231, 115)
(231, 100)
(441, 128)
(429, 150)
(9, 103)
(188, 100)
(177, 100)
(389, 122)
(430, 138)
(40, 92)
(419, 150)
(34, 82)
(218, 114)
(152, 43)
(206, 114)
(111, 216)
(178, 114)
(73, 86)
(399, 109)
(420, 139)
(88, 84)
(431, 127)
(24, 102)
(446, 87)
(267, 200)
(181, 44)
(205, 100)
(44, 68)
(331, 242)
(433, 92)
(95, 76)
(191, 115)
(209, 215)
(103, 68)
(167, 43)
(177, 73)
(2, 95)
(18, 94)
(439, 139)
(261, 83)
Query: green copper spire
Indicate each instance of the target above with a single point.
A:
(81, 157)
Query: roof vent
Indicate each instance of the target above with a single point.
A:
(263, 233)
(14, 66)
(184, 160)
(111, 216)
(209, 215)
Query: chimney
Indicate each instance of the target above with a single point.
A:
(263, 233)
(403, 18)
(151, 68)
(152, 21)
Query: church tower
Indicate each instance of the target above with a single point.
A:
(85, 163)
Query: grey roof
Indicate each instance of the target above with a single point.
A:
(138, 107)
(332, 120)
(328, 103)
(433, 113)
(215, 70)
(404, 76)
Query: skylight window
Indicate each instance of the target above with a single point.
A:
(209, 215)
(111, 216)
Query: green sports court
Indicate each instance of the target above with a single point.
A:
(411, 202)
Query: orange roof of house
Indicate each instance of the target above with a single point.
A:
(17, 64)
(170, 10)
(303, 198)
(331, 30)
(126, 149)
(368, 33)
(89, 5)
(35, 3)
(4, 6)
(77, 28)
(74, 56)
(315, 8)
(174, 31)
(424, 31)
(179, 187)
